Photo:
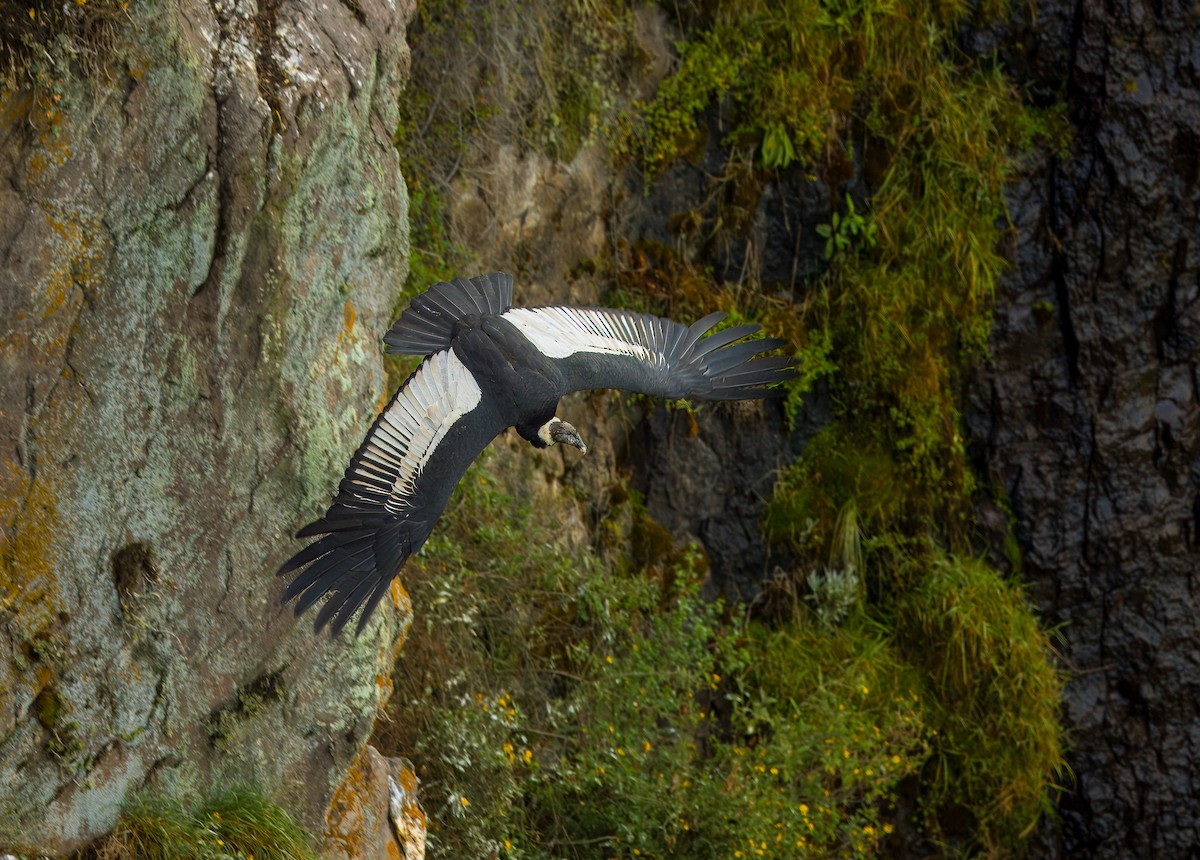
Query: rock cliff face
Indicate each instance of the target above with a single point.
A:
(197, 260)
(1088, 416)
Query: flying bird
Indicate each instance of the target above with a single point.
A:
(489, 366)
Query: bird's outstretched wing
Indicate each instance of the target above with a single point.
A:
(606, 348)
(426, 324)
(394, 490)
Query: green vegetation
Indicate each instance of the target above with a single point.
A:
(989, 690)
(237, 825)
(563, 705)
(40, 40)
(893, 684)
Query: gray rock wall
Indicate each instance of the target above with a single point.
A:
(1088, 414)
(197, 261)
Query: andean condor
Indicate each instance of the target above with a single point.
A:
(490, 366)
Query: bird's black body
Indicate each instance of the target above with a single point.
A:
(502, 360)
(488, 367)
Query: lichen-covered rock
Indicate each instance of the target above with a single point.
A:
(197, 261)
(375, 814)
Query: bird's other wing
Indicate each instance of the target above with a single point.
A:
(394, 490)
(426, 325)
(605, 348)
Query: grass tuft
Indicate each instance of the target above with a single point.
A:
(239, 824)
(994, 695)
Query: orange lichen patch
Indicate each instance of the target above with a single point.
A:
(412, 826)
(408, 780)
(28, 563)
(67, 264)
(345, 818)
(360, 818)
(400, 597)
(390, 654)
(15, 105)
(53, 148)
(349, 315)
(404, 611)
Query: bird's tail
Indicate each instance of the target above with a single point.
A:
(723, 366)
(425, 326)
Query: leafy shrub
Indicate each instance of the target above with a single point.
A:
(557, 708)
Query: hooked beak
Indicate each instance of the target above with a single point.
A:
(566, 434)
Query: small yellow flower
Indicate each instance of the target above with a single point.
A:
(527, 756)
(646, 746)
(804, 809)
(463, 800)
(895, 759)
(620, 751)
(507, 845)
(774, 771)
(608, 659)
(887, 828)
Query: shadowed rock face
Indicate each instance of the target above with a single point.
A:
(1087, 414)
(196, 262)
(708, 477)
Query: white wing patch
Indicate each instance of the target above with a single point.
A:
(440, 393)
(560, 332)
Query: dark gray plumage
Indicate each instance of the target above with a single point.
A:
(488, 367)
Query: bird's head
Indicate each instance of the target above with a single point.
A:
(558, 431)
